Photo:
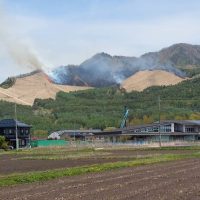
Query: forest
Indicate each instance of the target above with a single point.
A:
(103, 108)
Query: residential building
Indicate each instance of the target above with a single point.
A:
(8, 129)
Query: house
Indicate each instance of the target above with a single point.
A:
(8, 130)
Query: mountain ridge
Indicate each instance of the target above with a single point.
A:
(103, 69)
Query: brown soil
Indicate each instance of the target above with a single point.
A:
(27, 89)
(144, 79)
(14, 164)
(167, 181)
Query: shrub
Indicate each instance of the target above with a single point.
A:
(3, 143)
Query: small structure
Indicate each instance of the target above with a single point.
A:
(8, 130)
(73, 134)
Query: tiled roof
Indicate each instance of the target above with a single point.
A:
(12, 123)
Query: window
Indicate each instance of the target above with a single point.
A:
(7, 131)
(27, 132)
(165, 128)
(150, 129)
(10, 131)
(189, 130)
(155, 129)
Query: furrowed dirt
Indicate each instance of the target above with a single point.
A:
(172, 180)
(15, 164)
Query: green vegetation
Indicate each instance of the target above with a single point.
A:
(3, 143)
(52, 174)
(74, 155)
(57, 153)
(191, 70)
(49, 151)
(103, 107)
(9, 82)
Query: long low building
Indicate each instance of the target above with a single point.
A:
(169, 130)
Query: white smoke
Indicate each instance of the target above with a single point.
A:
(21, 52)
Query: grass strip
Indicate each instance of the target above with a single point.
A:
(60, 151)
(53, 174)
(79, 155)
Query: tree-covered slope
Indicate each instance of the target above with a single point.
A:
(103, 107)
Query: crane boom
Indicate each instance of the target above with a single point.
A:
(123, 123)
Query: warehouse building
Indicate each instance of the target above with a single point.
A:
(170, 130)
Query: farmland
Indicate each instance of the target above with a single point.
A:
(110, 173)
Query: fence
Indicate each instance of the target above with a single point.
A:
(47, 143)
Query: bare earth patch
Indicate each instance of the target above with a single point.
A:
(173, 180)
(27, 89)
(144, 79)
(18, 163)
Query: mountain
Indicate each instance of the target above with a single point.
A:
(104, 70)
(168, 66)
(26, 88)
(99, 71)
(144, 79)
(181, 55)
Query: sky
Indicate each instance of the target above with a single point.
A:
(66, 32)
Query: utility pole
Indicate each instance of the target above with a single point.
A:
(74, 133)
(160, 141)
(16, 133)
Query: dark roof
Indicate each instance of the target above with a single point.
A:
(12, 123)
(184, 122)
(166, 122)
(155, 124)
(80, 131)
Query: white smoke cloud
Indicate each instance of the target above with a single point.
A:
(19, 51)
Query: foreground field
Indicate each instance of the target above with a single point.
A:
(57, 158)
(174, 180)
(166, 173)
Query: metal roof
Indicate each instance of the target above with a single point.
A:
(75, 132)
(80, 131)
(12, 123)
(166, 122)
(184, 122)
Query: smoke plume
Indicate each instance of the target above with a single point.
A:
(21, 53)
(104, 70)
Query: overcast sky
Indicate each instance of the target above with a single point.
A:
(69, 31)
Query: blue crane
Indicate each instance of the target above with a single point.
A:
(123, 123)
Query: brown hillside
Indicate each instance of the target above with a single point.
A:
(27, 89)
(144, 79)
